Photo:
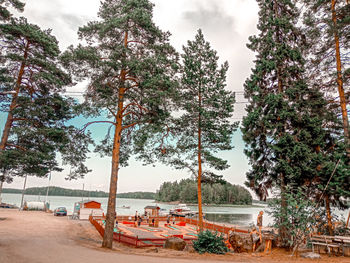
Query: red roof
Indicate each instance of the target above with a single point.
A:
(91, 204)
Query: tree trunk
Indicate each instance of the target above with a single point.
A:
(283, 231)
(341, 92)
(199, 179)
(329, 216)
(111, 214)
(13, 105)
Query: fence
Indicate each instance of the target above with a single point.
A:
(211, 226)
(131, 240)
(128, 218)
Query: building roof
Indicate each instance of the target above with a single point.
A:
(152, 207)
(90, 201)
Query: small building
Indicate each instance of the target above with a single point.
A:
(82, 210)
(152, 210)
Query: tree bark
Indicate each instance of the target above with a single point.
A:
(341, 92)
(111, 214)
(329, 216)
(199, 178)
(283, 231)
(13, 105)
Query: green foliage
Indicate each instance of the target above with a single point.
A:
(300, 220)
(186, 191)
(319, 33)
(207, 106)
(37, 115)
(289, 132)
(4, 12)
(137, 195)
(58, 191)
(209, 242)
(125, 40)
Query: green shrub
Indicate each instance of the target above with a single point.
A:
(210, 242)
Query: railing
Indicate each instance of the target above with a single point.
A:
(212, 226)
(131, 240)
(131, 218)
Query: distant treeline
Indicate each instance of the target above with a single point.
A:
(218, 193)
(138, 195)
(58, 191)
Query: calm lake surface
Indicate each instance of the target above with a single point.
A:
(242, 216)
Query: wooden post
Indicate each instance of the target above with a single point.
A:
(347, 221)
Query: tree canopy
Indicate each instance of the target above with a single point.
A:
(130, 66)
(217, 193)
(5, 14)
(37, 114)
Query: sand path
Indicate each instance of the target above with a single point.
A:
(35, 237)
(38, 237)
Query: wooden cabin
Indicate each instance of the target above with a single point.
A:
(84, 209)
(152, 210)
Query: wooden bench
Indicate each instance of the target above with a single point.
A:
(330, 242)
(326, 241)
(344, 243)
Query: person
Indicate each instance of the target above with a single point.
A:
(168, 220)
(136, 214)
(116, 223)
(255, 237)
(139, 220)
(152, 221)
(260, 220)
(174, 220)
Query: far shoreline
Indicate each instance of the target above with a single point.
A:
(211, 205)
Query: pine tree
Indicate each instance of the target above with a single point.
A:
(286, 129)
(204, 128)
(328, 32)
(5, 13)
(131, 67)
(35, 128)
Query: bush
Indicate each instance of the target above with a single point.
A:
(299, 219)
(210, 242)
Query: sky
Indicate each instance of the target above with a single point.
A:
(226, 24)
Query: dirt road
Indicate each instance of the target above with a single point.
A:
(38, 237)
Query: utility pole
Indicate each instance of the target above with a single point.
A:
(24, 188)
(48, 187)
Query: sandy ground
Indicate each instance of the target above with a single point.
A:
(35, 237)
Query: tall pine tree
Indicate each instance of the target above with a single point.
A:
(204, 128)
(35, 127)
(328, 33)
(131, 66)
(285, 134)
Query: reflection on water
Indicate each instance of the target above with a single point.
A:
(236, 219)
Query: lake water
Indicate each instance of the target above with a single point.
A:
(242, 216)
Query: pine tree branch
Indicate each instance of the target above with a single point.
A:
(131, 125)
(134, 104)
(138, 42)
(17, 146)
(94, 122)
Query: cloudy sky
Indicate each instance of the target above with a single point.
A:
(226, 24)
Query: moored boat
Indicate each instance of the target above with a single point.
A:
(182, 210)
